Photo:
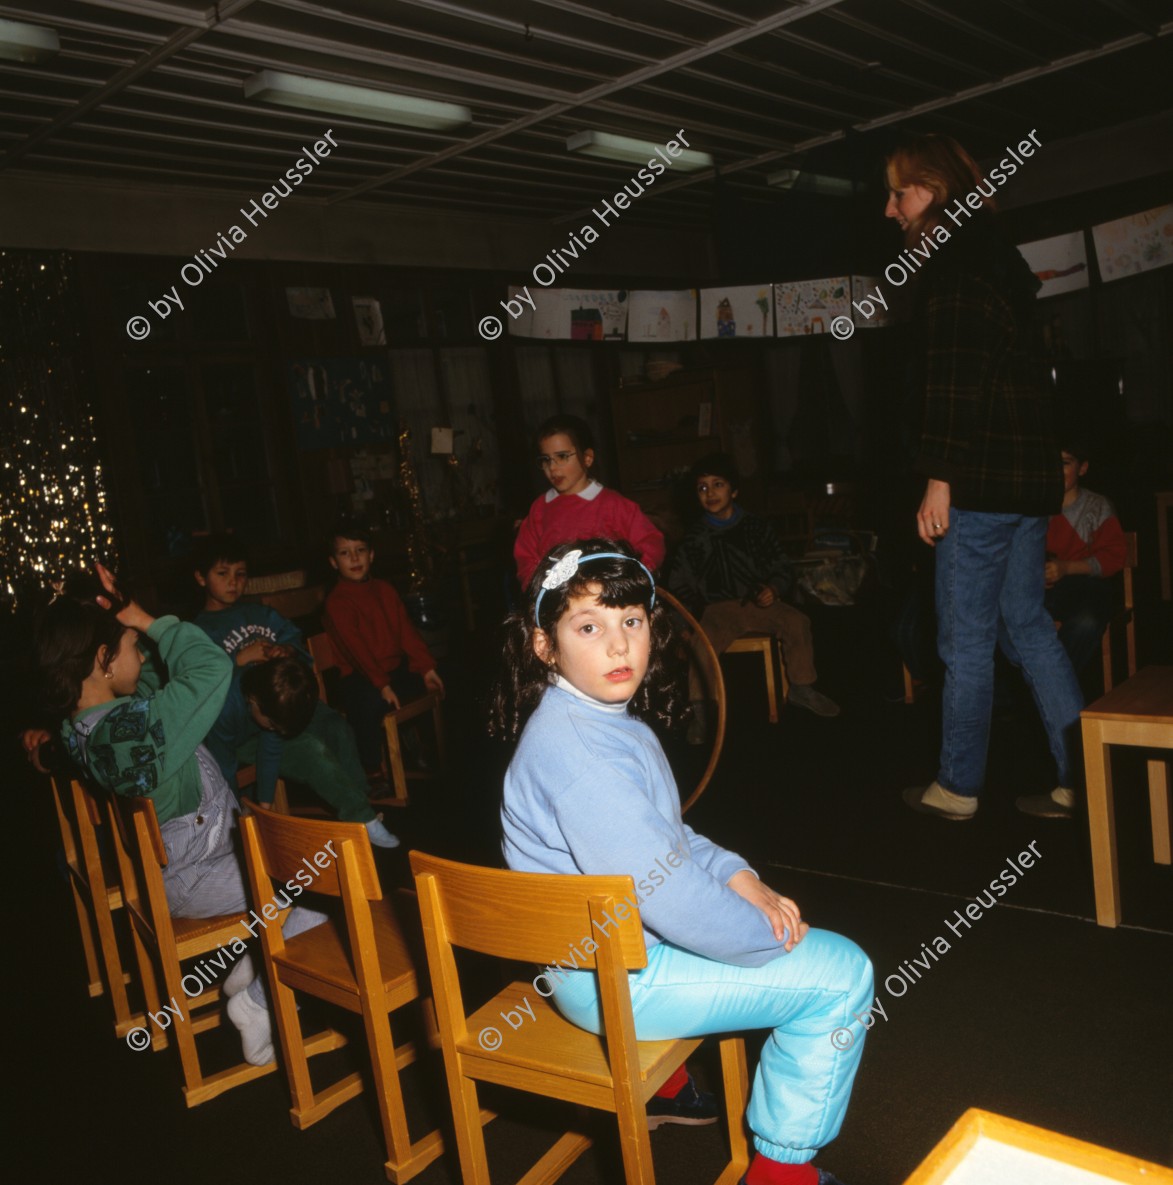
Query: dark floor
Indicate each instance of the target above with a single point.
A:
(1035, 1013)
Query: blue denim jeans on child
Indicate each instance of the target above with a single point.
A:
(990, 593)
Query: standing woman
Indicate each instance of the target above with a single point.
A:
(988, 449)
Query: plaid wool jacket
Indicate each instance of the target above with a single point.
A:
(987, 414)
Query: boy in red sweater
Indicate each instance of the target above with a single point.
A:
(1085, 546)
(383, 661)
(576, 506)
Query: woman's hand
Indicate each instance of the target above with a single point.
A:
(129, 612)
(433, 682)
(389, 697)
(782, 913)
(932, 520)
(765, 597)
(31, 740)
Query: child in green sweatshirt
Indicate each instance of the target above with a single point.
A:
(135, 735)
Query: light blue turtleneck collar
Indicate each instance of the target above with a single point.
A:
(615, 709)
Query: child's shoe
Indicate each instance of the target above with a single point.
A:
(1059, 804)
(380, 836)
(256, 1030)
(689, 1105)
(936, 800)
(240, 976)
(803, 695)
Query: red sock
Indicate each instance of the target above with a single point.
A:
(674, 1085)
(764, 1171)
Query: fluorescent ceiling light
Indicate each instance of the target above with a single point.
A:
(636, 152)
(359, 102)
(27, 43)
(819, 183)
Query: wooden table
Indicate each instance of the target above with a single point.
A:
(1137, 712)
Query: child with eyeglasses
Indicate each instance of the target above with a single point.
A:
(577, 506)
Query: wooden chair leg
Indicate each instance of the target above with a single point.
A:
(85, 925)
(735, 1081)
(636, 1146)
(1130, 635)
(1106, 652)
(395, 761)
(146, 974)
(771, 688)
(785, 690)
(909, 690)
(470, 1137)
(116, 978)
(302, 1113)
(1159, 810)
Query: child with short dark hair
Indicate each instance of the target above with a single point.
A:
(730, 570)
(577, 506)
(311, 742)
(590, 792)
(383, 660)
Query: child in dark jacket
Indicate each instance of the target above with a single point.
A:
(730, 570)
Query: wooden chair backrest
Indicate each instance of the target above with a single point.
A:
(67, 821)
(78, 817)
(530, 917)
(714, 679)
(324, 657)
(142, 857)
(284, 845)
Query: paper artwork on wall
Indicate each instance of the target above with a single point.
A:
(662, 316)
(310, 304)
(866, 311)
(809, 306)
(1059, 262)
(368, 315)
(340, 402)
(737, 312)
(1138, 243)
(597, 315)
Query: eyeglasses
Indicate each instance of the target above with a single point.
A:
(544, 462)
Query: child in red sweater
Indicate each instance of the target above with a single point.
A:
(576, 506)
(1085, 546)
(383, 661)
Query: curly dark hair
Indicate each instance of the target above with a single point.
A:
(524, 677)
(67, 636)
(285, 691)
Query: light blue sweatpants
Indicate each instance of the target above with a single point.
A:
(803, 1081)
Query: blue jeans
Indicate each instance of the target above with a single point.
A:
(803, 1080)
(990, 593)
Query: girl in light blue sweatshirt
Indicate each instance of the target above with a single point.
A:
(589, 791)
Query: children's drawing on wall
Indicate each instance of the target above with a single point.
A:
(809, 306)
(872, 314)
(662, 316)
(736, 312)
(368, 315)
(340, 402)
(1138, 243)
(1059, 262)
(310, 304)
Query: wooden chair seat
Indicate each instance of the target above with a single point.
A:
(97, 895)
(550, 1045)
(319, 962)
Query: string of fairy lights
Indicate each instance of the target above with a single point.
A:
(54, 513)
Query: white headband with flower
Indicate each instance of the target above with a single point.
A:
(563, 569)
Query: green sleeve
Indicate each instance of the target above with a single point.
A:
(199, 676)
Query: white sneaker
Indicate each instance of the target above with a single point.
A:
(240, 976)
(936, 800)
(380, 836)
(256, 1030)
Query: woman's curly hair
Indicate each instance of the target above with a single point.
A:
(524, 677)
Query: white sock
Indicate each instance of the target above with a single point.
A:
(240, 976)
(256, 1030)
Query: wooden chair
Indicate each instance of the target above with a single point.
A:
(141, 860)
(1126, 618)
(96, 895)
(765, 645)
(534, 918)
(322, 651)
(246, 777)
(368, 971)
(287, 592)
